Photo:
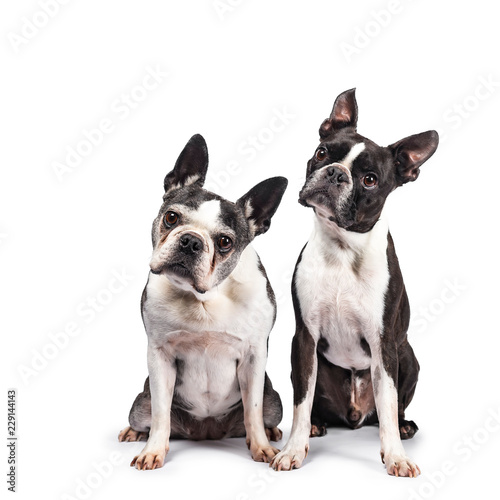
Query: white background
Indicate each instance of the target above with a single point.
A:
(422, 66)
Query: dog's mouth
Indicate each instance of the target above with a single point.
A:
(175, 268)
(327, 203)
(308, 194)
(179, 270)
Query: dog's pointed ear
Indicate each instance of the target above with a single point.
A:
(261, 203)
(410, 153)
(190, 167)
(344, 114)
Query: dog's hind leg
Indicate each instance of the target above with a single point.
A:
(407, 382)
(139, 417)
(272, 413)
(272, 410)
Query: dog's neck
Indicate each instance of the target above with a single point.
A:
(335, 240)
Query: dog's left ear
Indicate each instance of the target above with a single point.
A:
(191, 166)
(344, 114)
(261, 203)
(410, 153)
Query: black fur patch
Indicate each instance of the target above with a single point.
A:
(144, 298)
(323, 345)
(366, 347)
(269, 288)
(396, 314)
(303, 348)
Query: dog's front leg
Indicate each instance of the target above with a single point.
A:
(304, 373)
(251, 375)
(384, 371)
(162, 373)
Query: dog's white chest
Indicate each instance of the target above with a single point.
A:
(207, 370)
(341, 286)
(210, 339)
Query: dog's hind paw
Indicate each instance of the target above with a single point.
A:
(317, 431)
(407, 429)
(129, 434)
(273, 434)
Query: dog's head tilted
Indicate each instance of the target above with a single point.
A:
(349, 177)
(198, 236)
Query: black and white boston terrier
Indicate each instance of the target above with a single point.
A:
(208, 308)
(351, 361)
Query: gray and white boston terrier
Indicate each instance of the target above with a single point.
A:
(208, 309)
(351, 361)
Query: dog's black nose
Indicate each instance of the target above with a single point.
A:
(336, 175)
(190, 244)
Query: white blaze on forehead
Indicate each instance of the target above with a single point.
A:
(353, 154)
(207, 215)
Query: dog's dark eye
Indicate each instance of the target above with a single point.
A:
(170, 219)
(370, 181)
(225, 243)
(320, 154)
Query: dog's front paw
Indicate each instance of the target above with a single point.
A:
(149, 460)
(400, 466)
(289, 459)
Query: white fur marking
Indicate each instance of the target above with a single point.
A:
(353, 154)
(326, 272)
(207, 215)
(211, 335)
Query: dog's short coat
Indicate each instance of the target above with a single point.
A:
(208, 308)
(351, 360)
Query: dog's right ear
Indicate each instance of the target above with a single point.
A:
(344, 114)
(190, 167)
